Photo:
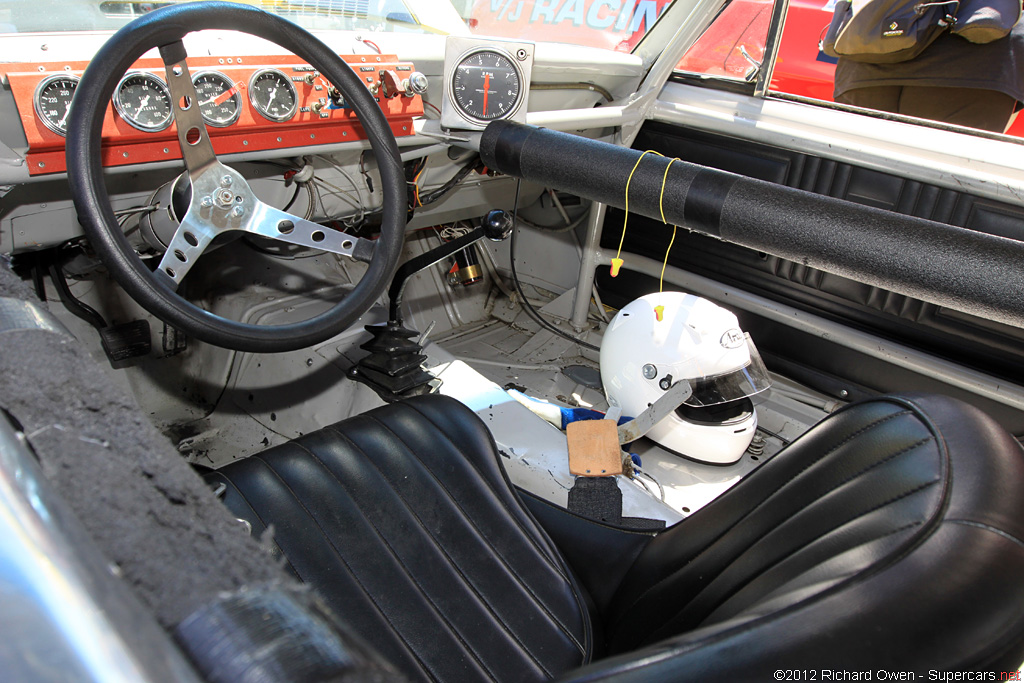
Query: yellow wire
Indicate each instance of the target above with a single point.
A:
(622, 239)
(416, 186)
(661, 207)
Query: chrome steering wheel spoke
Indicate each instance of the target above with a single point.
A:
(221, 198)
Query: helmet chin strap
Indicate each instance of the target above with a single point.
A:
(656, 412)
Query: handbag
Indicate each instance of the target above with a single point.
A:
(887, 31)
(982, 21)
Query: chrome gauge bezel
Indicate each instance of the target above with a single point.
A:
(237, 96)
(461, 109)
(130, 120)
(39, 92)
(270, 117)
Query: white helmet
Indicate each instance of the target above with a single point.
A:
(696, 340)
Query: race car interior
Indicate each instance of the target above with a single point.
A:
(341, 352)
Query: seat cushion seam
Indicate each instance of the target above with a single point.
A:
(547, 611)
(451, 563)
(828, 531)
(465, 579)
(529, 536)
(767, 497)
(986, 527)
(426, 668)
(268, 527)
(890, 501)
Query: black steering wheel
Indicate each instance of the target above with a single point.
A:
(221, 198)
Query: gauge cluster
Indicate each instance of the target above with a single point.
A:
(264, 103)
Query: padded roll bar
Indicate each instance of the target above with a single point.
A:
(962, 269)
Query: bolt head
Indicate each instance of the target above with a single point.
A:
(238, 211)
(223, 197)
(649, 371)
(226, 181)
(207, 202)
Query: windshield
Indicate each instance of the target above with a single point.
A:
(610, 24)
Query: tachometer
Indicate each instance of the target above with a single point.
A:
(273, 95)
(53, 101)
(485, 80)
(220, 102)
(143, 101)
(486, 85)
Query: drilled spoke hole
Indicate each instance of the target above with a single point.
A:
(185, 103)
(285, 227)
(180, 255)
(347, 244)
(191, 239)
(318, 236)
(193, 136)
(169, 271)
(177, 70)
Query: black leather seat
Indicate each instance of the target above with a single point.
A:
(889, 536)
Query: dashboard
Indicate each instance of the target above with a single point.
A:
(248, 103)
(254, 129)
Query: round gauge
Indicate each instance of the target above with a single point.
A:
(273, 95)
(143, 101)
(53, 101)
(486, 85)
(219, 100)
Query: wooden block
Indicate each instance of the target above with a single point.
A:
(594, 448)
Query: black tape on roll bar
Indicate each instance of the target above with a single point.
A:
(945, 265)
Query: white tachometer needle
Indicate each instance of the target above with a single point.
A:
(67, 110)
(142, 105)
(273, 95)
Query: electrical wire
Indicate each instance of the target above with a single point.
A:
(428, 104)
(295, 195)
(661, 489)
(435, 195)
(519, 287)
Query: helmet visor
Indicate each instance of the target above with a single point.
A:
(748, 380)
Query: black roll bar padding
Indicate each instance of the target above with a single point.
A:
(946, 265)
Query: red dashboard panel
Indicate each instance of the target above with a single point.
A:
(124, 144)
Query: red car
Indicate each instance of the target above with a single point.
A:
(732, 47)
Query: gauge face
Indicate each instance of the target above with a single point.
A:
(273, 95)
(220, 101)
(486, 85)
(143, 101)
(53, 101)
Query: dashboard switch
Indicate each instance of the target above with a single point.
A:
(390, 84)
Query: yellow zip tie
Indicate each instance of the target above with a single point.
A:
(617, 261)
(659, 310)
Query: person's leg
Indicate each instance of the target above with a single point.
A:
(985, 109)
